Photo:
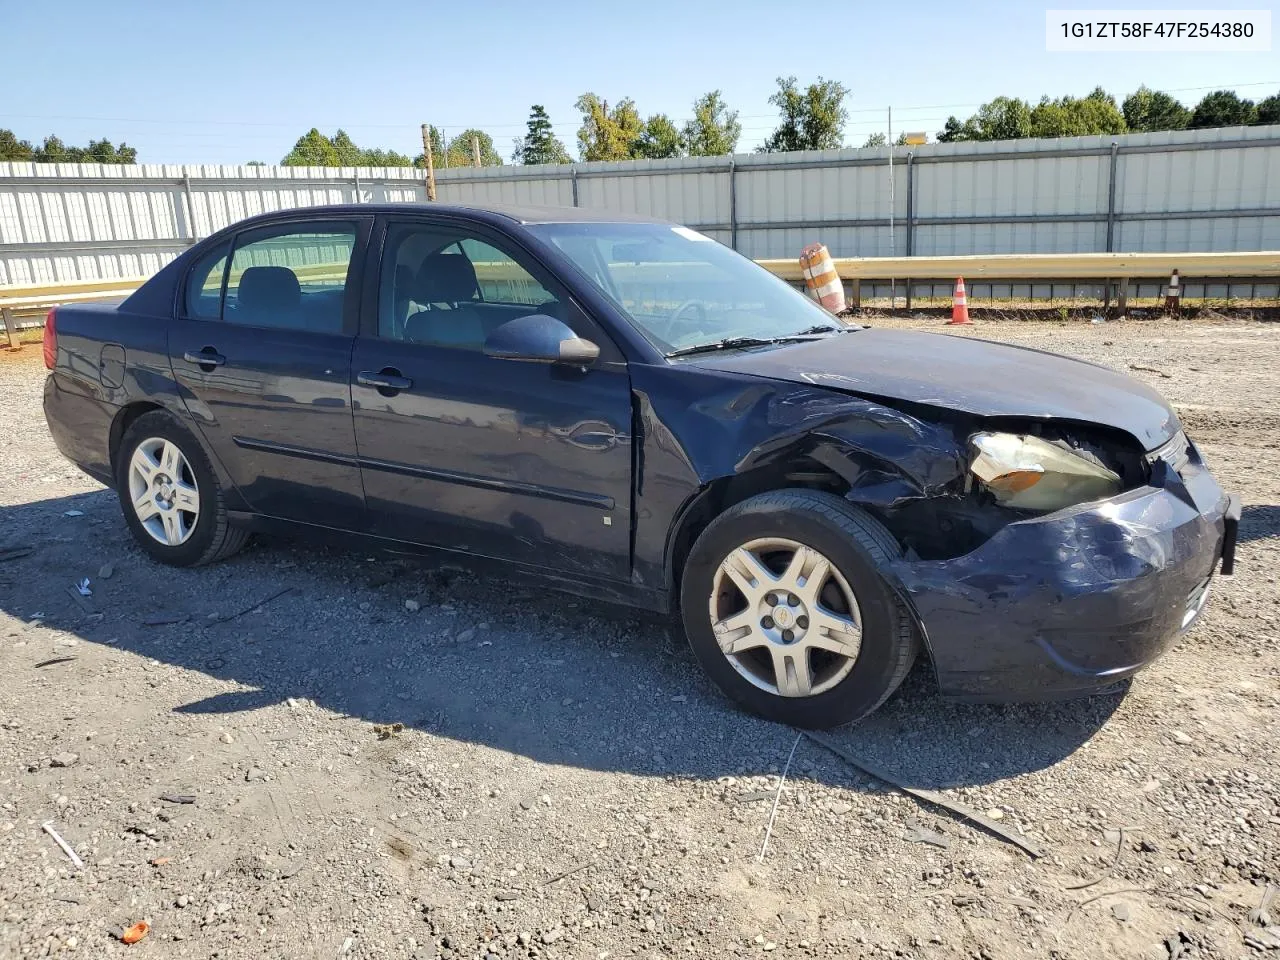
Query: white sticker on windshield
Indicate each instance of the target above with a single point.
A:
(690, 234)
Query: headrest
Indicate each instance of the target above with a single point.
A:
(269, 288)
(445, 278)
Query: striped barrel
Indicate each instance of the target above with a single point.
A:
(1173, 295)
(820, 277)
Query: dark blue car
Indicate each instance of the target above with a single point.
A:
(628, 410)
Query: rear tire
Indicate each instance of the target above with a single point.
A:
(170, 496)
(786, 608)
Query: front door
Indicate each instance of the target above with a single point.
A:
(262, 351)
(519, 461)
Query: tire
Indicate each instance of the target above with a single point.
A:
(843, 680)
(169, 533)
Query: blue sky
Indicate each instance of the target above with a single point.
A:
(236, 81)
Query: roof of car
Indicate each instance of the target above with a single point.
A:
(517, 214)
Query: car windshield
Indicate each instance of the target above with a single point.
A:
(684, 291)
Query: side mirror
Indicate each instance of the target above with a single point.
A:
(540, 338)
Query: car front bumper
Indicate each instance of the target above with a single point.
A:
(1070, 603)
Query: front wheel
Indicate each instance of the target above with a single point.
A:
(784, 604)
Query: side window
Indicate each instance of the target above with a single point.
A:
(292, 278)
(500, 278)
(440, 286)
(204, 284)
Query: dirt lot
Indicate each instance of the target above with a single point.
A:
(567, 785)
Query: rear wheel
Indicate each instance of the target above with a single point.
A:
(170, 496)
(785, 606)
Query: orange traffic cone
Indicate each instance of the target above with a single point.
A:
(959, 305)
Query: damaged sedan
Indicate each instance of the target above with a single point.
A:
(628, 410)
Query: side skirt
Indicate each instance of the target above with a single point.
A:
(616, 592)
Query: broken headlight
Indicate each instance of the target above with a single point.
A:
(1029, 473)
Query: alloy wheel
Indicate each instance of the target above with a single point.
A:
(785, 617)
(163, 491)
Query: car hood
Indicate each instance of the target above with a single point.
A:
(972, 376)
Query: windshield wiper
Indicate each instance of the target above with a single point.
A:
(734, 343)
(728, 343)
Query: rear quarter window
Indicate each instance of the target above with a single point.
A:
(204, 284)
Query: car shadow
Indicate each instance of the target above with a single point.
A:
(1259, 521)
(554, 678)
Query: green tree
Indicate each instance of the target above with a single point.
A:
(313, 149)
(349, 155)
(1004, 118)
(953, 131)
(1268, 110)
(812, 119)
(539, 144)
(607, 134)
(658, 139)
(459, 152)
(1147, 110)
(11, 148)
(881, 140)
(1093, 115)
(53, 150)
(1222, 108)
(383, 158)
(714, 129)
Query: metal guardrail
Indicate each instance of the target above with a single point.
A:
(1044, 266)
(34, 300)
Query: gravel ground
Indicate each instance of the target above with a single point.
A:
(565, 784)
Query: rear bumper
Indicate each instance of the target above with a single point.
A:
(81, 427)
(1070, 603)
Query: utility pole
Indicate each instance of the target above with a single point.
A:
(475, 150)
(431, 169)
(893, 250)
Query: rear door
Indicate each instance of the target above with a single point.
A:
(262, 349)
(526, 462)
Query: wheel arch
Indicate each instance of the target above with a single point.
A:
(811, 470)
(123, 419)
(796, 469)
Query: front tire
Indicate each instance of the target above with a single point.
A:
(170, 495)
(786, 608)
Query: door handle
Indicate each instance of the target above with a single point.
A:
(206, 357)
(387, 381)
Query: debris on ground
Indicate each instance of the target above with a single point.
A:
(930, 796)
(47, 826)
(918, 833)
(135, 933)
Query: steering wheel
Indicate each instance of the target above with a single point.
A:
(678, 314)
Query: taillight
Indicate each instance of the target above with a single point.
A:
(50, 341)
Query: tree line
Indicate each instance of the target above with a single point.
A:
(809, 118)
(1143, 111)
(53, 150)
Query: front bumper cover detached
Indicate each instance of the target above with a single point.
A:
(1070, 603)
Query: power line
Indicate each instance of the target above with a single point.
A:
(283, 124)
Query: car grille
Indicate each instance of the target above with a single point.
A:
(1195, 602)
